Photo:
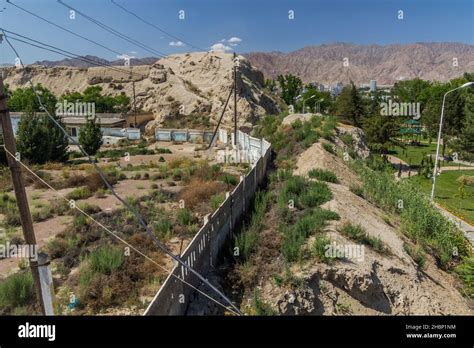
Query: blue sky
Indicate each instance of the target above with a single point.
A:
(261, 25)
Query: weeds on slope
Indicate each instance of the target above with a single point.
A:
(419, 219)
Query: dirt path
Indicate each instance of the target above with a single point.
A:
(407, 171)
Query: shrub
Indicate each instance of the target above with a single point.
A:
(247, 240)
(295, 236)
(347, 139)
(320, 247)
(216, 200)
(316, 194)
(162, 228)
(357, 190)
(323, 175)
(41, 215)
(229, 179)
(106, 259)
(260, 307)
(57, 247)
(161, 150)
(185, 217)
(416, 253)
(12, 215)
(17, 290)
(79, 193)
(465, 270)
(59, 207)
(329, 148)
(358, 233)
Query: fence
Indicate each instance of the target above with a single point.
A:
(201, 254)
(129, 133)
(183, 135)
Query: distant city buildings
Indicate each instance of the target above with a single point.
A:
(373, 85)
(335, 89)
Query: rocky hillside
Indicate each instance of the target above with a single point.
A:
(386, 64)
(178, 85)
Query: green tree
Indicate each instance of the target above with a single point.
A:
(290, 86)
(412, 91)
(350, 106)
(58, 141)
(33, 139)
(312, 96)
(465, 142)
(90, 136)
(25, 100)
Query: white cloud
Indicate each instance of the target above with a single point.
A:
(220, 47)
(176, 44)
(234, 40)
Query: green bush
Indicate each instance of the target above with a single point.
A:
(17, 290)
(185, 217)
(161, 150)
(79, 193)
(247, 240)
(319, 248)
(329, 148)
(229, 179)
(106, 260)
(323, 175)
(316, 194)
(12, 215)
(216, 200)
(163, 227)
(358, 234)
(465, 270)
(295, 236)
(260, 307)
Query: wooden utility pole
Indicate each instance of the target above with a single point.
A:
(134, 103)
(20, 192)
(235, 99)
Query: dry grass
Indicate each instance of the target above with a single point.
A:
(200, 191)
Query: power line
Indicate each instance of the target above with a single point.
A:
(114, 32)
(29, 170)
(154, 26)
(68, 54)
(139, 218)
(63, 28)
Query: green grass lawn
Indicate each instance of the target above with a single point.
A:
(413, 154)
(447, 190)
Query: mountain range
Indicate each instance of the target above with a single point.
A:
(343, 62)
(330, 63)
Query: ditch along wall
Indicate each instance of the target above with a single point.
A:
(201, 254)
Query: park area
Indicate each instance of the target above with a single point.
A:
(454, 192)
(172, 185)
(414, 154)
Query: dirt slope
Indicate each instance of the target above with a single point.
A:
(378, 283)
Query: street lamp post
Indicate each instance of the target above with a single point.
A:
(304, 101)
(435, 170)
